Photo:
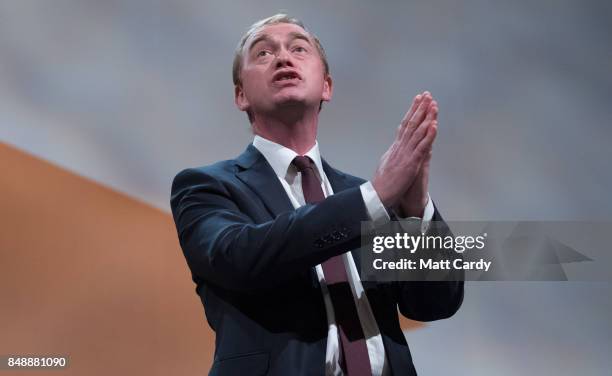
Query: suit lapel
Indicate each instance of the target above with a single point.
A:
(260, 177)
(337, 180)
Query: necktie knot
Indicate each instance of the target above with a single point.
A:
(302, 162)
(311, 186)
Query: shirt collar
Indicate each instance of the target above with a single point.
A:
(280, 157)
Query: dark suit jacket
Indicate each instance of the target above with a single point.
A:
(252, 257)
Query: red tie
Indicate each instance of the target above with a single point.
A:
(354, 359)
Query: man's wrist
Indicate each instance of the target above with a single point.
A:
(425, 218)
(376, 210)
(413, 210)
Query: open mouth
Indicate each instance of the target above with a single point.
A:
(287, 76)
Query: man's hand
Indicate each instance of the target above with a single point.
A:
(413, 202)
(403, 162)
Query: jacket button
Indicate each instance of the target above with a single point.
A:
(328, 239)
(337, 235)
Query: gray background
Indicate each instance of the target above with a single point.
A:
(130, 92)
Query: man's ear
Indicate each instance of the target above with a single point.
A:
(327, 88)
(240, 99)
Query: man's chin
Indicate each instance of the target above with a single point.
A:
(290, 103)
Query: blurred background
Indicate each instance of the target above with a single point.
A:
(102, 103)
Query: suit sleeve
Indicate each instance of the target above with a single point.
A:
(431, 300)
(224, 246)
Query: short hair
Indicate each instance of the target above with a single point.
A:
(273, 20)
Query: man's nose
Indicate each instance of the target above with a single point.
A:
(283, 59)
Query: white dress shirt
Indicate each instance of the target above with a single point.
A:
(280, 158)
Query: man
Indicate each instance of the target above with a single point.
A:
(268, 236)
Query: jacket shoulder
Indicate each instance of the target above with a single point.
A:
(192, 175)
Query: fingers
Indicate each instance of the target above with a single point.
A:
(432, 114)
(415, 103)
(421, 130)
(424, 147)
(432, 111)
(418, 116)
(410, 115)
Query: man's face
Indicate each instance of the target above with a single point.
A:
(281, 67)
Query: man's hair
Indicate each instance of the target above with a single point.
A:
(273, 20)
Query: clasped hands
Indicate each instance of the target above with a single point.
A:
(401, 179)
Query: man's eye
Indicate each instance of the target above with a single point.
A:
(299, 49)
(262, 53)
